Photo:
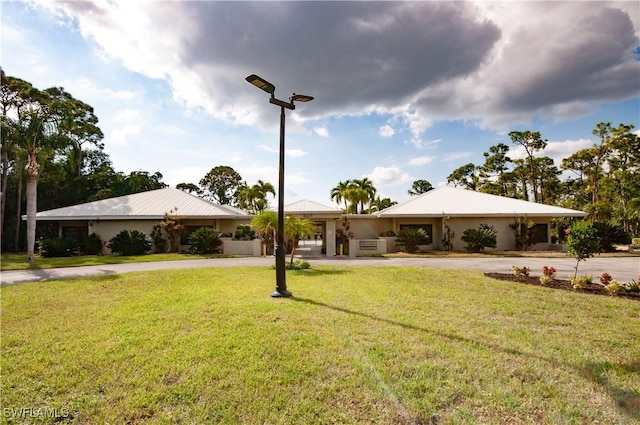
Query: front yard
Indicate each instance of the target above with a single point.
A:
(381, 345)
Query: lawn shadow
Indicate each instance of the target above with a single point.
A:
(320, 272)
(409, 326)
(627, 400)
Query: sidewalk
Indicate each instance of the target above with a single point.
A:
(623, 269)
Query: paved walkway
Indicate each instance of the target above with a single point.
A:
(623, 269)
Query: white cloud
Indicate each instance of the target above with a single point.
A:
(321, 131)
(294, 153)
(421, 160)
(127, 115)
(386, 131)
(121, 136)
(418, 143)
(484, 76)
(388, 176)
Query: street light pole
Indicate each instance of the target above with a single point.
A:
(281, 277)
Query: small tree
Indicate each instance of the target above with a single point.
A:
(205, 240)
(265, 225)
(172, 225)
(448, 236)
(479, 238)
(523, 232)
(582, 242)
(296, 228)
(412, 237)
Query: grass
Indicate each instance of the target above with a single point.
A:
(385, 345)
(19, 261)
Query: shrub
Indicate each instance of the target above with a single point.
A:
(520, 271)
(632, 286)
(410, 238)
(635, 243)
(605, 278)
(610, 234)
(300, 264)
(205, 240)
(159, 242)
(92, 245)
(548, 274)
(130, 242)
(582, 242)
(245, 232)
(580, 282)
(58, 247)
(614, 287)
(523, 232)
(484, 236)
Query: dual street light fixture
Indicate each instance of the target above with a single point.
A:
(281, 278)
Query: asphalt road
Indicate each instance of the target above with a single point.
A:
(623, 269)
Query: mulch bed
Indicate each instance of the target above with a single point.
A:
(593, 289)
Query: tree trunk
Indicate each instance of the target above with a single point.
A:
(32, 199)
(5, 179)
(16, 238)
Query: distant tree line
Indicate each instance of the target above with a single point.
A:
(52, 155)
(604, 179)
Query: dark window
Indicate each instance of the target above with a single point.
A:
(79, 233)
(540, 233)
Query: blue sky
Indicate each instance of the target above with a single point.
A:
(404, 91)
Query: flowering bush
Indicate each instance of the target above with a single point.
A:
(580, 282)
(614, 288)
(521, 271)
(605, 278)
(548, 274)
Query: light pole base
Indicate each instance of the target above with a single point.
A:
(281, 293)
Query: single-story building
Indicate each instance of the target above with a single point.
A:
(444, 213)
(141, 211)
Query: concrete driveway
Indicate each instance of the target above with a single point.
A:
(623, 269)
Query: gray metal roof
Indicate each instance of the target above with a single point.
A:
(144, 205)
(306, 206)
(452, 202)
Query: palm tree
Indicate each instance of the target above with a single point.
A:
(369, 190)
(265, 224)
(355, 196)
(296, 228)
(37, 135)
(254, 199)
(380, 204)
(338, 193)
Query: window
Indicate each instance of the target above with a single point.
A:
(540, 233)
(79, 233)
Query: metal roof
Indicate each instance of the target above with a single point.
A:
(451, 202)
(306, 206)
(152, 204)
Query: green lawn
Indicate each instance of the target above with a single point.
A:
(19, 261)
(384, 345)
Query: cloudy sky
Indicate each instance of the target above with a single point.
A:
(403, 90)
